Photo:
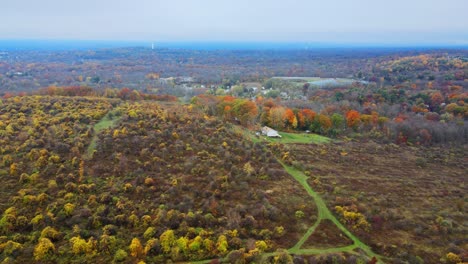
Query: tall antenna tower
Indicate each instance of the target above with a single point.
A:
(152, 45)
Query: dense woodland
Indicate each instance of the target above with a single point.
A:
(105, 160)
(164, 183)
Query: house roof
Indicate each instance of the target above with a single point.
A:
(267, 129)
(270, 132)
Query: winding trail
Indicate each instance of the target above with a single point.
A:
(324, 213)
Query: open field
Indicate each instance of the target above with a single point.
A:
(413, 198)
(288, 138)
(320, 82)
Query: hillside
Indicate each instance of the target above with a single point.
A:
(94, 179)
(412, 197)
(164, 182)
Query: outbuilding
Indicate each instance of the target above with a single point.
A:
(270, 132)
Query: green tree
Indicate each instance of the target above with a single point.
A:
(338, 122)
(237, 90)
(222, 244)
(149, 233)
(246, 111)
(120, 255)
(167, 240)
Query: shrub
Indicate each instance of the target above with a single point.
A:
(195, 245)
(152, 246)
(22, 221)
(120, 255)
(80, 246)
(133, 220)
(167, 240)
(8, 220)
(149, 182)
(50, 233)
(279, 231)
(10, 247)
(136, 249)
(68, 209)
(453, 258)
(107, 243)
(222, 244)
(283, 257)
(37, 220)
(261, 245)
(44, 249)
(109, 230)
(149, 233)
(146, 219)
(299, 214)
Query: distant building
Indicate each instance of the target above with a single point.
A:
(284, 95)
(167, 80)
(270, 132)
(184, 79)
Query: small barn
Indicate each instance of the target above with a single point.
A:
(270, 132)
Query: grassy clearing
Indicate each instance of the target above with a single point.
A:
(290, 138)
(286, 138)
(105, 122)
(109, 120)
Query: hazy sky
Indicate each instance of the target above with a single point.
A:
(393, 21)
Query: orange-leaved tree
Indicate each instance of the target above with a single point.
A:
(306, 117)
(290, 118)
(352, 118)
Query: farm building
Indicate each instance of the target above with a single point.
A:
(270, 132)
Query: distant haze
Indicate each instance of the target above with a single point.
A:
(334, 21)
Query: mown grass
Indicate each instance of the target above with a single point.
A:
(289, 138)
(286, 138)
(323, 213)
(107, 121)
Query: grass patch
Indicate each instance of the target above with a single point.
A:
(288, 138)
(109, 120)
(105, 122)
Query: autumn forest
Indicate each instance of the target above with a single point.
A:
(138, 155)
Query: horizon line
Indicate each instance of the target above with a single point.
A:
(233, 43)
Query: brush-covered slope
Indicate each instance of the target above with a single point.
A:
(160, 183)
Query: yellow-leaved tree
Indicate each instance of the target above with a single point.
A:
(44, 249)
(136, 249)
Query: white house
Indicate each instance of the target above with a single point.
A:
(270, 132)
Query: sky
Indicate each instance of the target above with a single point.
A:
(339, 21)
